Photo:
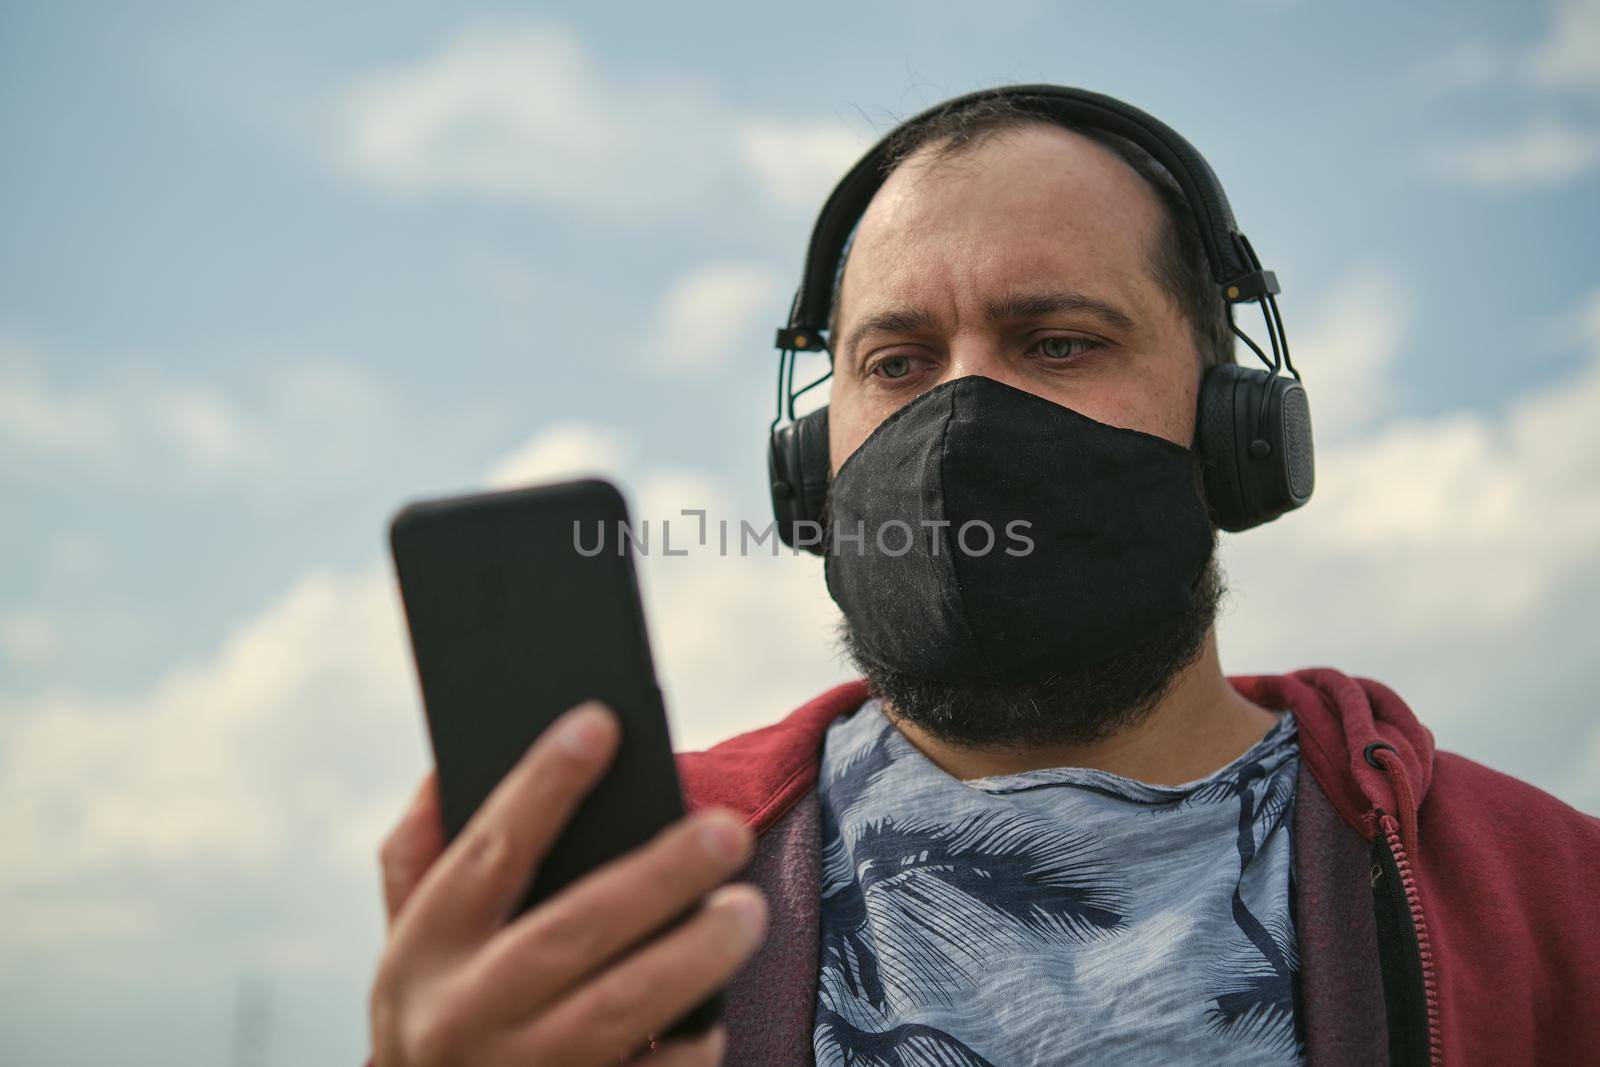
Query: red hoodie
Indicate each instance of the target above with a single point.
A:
(1442, 908)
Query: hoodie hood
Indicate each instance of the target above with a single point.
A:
(1359, 740)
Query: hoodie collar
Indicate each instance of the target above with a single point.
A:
(1365, 748)
(1363, 745)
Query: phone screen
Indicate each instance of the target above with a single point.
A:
(521, 605)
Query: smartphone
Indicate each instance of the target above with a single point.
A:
(522, 604)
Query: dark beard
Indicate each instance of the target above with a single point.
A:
(1074, 708)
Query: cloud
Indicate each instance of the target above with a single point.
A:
(208, 429)
(798, 162)
(29, 638)
(700, 320)
(36, 417)
(1558, 140)
(235, 759)
(523, 112)
(1347, 350)
(1569, 55)
(1452, 554)
(564, 450)
(1544, 153)
(1465, 65)
(151, 430)
(80, 556)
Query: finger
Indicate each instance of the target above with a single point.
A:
(653, 988)
(703, 1051)
(544, 954)
(411, 847)
(474, 885)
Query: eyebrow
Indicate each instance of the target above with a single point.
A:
(1011, 308)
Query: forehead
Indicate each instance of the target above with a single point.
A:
(1026, 206)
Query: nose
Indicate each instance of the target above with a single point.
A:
(975, 355)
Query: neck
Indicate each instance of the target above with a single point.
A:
(1200, 725)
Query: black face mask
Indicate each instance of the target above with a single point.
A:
(983, 534)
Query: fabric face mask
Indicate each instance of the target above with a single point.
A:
(983, 534)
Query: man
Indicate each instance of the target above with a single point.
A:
(1046, 828)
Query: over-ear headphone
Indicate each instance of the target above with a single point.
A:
(1253, 425)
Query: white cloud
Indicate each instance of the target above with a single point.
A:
(1545, 152)
(1465, 65)
(233, 760)
(1556, 143)
(36, 417)
(1569, 56)
(210, 431)
(80, 555)
(1431, 535)
(189, 424)
(799, 162)
(698, 322)
(565, 450)
(1347, 350)
(148, 429)
(1564, 57)
(29, 638)
(522, 112)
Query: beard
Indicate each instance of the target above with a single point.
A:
(1071, 708)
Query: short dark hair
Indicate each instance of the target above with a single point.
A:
(1178, 261)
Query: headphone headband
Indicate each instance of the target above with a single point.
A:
(1252, 425)
(1233, 263)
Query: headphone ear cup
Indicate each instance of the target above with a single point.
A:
(1289, 411)
(799, 468)
(1215, 436)
(1254, 435)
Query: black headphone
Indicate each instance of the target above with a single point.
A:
(1253, 426)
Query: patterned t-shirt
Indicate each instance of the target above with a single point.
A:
(1053, 916)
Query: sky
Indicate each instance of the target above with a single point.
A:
(268, 274)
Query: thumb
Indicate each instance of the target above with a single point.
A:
(411, 847)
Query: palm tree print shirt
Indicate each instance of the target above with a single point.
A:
(1055, 916)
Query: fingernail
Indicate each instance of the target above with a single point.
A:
(717, 1042)
(748, 908)
(723, 836)
(583, 732)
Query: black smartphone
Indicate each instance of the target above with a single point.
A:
(522, 604)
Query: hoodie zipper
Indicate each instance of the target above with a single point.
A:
(1405, 952)
(1410, 986)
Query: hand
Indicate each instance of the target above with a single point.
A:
(587, 976)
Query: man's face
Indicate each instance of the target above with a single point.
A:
(1028, 260)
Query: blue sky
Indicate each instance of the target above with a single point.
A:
(266, 274)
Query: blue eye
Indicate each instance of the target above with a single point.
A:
(1063, 348)
(894, 367)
